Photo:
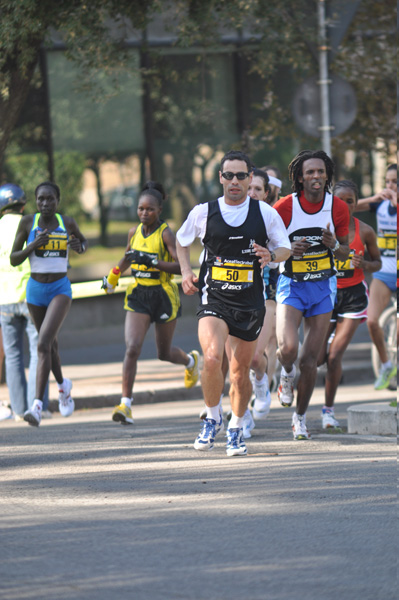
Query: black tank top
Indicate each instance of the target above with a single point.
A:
(230, 272)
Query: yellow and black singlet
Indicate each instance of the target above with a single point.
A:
(153, 245)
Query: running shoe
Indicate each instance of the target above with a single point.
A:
(235, 442)
(5, 412)
(299, 427)
(384, 378)
(46, 414)
(122, 414)
(328, 419)
(285, 392)
(33, 415)
(248, 424)
(66, 405)
(206, 437)
(262, 402)
(191, 375)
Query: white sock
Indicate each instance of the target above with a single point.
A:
(284, 373)
(191, 362)
(220, 401)
(386, 366)
(212, 412)
(61, 385)
(235, 422)
(264, 380)
(127, 401)
(37, 404)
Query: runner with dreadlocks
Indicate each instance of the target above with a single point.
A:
(318, 226)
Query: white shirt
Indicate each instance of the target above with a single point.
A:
(195, 224)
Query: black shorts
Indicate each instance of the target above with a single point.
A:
(243, 324)
(351, 302)
(271, 287)
(160, 302)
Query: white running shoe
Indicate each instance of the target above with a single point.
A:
(262, 402)
(285, 392)
(235, 445)
(328, 419)
(248, 424)
(299, 427)
(5, 412)
(66, 405)
(33, 415)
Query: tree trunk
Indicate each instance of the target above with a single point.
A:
(18, 87)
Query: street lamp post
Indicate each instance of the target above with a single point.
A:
(324, 81)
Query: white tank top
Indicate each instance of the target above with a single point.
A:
(53, 256)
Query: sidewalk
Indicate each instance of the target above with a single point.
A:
(99, 385)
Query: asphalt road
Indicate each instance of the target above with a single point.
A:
(92, 510)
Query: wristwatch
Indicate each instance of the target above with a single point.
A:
(272, 256)
(154, 262)
(337, 245)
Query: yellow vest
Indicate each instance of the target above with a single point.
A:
(13, 280)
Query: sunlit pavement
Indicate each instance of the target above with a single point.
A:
(91, 509)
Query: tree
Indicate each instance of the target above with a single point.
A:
(84, 29)
(272, 41)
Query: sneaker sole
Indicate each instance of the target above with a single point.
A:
(190, 384)
(260, 415)
(203, 447)
(331, 429)
(236, 452)
(69, 413)
(119, 418)
(31, 420)
(286, 404)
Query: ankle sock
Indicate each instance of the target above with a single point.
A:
(235, 422)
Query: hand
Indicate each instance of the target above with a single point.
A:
(189, 283)
(299, 247)
(140, 258)
(107, 287)
(358, 260)
(328, 238)
(390, 195)
(75, 244)
(264, 255)
(41, 239)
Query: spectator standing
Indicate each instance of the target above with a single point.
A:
(14, 312)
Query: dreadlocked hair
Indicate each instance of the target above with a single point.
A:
(295, 168)
(346, 183)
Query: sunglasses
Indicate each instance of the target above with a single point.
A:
(240, 176)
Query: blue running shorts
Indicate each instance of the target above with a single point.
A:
(388, 278)
(310, 297)
(41, 294)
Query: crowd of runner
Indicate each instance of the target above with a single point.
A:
(271, 267)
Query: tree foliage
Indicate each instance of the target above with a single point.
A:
(84, 30)
(277, 40)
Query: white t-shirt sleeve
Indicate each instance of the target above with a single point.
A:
(194, 226)
(276, 230)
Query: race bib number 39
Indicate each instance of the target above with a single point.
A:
(311, 265)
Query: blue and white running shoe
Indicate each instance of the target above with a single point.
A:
(235, 442)
(206, 437)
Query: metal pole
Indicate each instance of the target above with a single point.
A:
(324, 81)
